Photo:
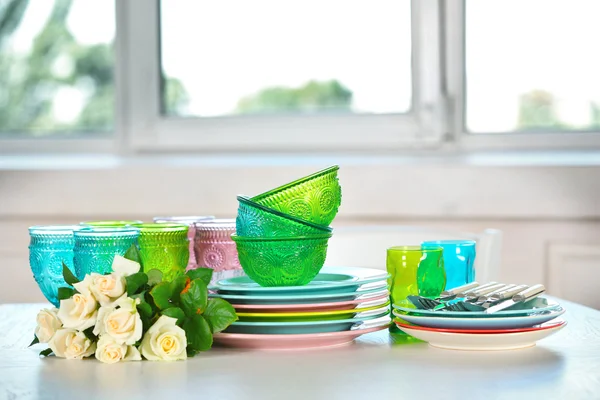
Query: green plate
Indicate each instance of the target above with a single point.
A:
(537, 305)
(329, 280)
(306, 298)
(312, 316)
(301, 327)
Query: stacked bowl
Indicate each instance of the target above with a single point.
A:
(287, 300)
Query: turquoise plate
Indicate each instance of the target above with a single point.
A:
(306, 298)
(292, 328)
(329, 280)
(537, 305)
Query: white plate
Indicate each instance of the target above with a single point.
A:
(482, 341)
(482, 323)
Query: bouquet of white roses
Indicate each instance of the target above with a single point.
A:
(129, 314)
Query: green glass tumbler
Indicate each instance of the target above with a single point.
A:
(415, 271)
(96, 247)
(164, 246)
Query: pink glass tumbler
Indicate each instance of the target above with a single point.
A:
(215, 249)
(189, 220)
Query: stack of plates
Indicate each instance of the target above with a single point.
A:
(339, 305)
(516, 327)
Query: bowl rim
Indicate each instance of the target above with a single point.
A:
(237, 238)
(332, 168)
(249, 201)
(156, 227)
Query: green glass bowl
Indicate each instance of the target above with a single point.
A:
(255, 220)
(282, 261)
(315, 198)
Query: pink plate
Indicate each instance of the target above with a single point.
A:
(291, 342)
(547, 325)
(333, 306)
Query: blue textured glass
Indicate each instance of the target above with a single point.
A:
(95, 248)
(49, 247)
(459, 257)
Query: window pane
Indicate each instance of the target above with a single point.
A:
(532, 65)
(264, 56)
(56, 66)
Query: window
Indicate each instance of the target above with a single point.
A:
(532, 70)
(270, 56)
(56, 68)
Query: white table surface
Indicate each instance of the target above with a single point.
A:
(566, 365)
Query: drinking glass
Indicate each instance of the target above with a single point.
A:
(96, 247)
(164, 246)
(415, 270)
(459, 257)
(111, 223)
(190, 221)
(215, 249)
(49, 247)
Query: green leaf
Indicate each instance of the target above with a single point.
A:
(46, 352)
(146, 313)
(65, 293)
(155, 277)
(161, 294)
(197, 331)
(133, 254)
(175, 312)
(177, 286)
(141, 295)
(201, 273)
(135, 281)
(34, 341)
(194, 298)
(219, 314)
(89, 333)
(68, 275)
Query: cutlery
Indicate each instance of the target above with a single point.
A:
(470, 296)
(521, 297)
(427, 303)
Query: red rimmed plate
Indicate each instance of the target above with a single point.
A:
(547, 325)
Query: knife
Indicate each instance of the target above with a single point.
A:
(500, 295)
(471, 294)
(520, 297)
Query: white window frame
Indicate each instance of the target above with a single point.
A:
(459, 137)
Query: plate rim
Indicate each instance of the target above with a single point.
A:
(560, 311)
(550, 325)
(313, 314)
(489, 335)
(305, 305)
(300, 297)
(459, 314)
(310, 323)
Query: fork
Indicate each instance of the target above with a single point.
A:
(475, 302)
(472, 297)
(426, 303)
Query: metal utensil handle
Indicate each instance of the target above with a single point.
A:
(529, 293)
(459, 289)
(507, 293)
(484, 290)
(486, 296)
(471, 293)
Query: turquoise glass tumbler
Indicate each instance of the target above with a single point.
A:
(49, 247)
(95, 248)
(459, 259)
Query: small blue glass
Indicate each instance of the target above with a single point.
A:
(459, 259)
(96, 247)
(49, 247)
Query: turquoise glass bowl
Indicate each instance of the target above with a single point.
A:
(96, 247)
(256, 220)
(49, 248)
(315, 198)
(282, 261)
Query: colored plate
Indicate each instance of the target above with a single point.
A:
(482, 341)
(329, 280)
(481, 323)
(292, 342)
(302, 327)
(547, 325)
(309, 316)
(301, 299)
(310, 307)
(536, 305)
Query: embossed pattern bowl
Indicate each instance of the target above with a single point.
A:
(282, 261)
(255, 220)
(314, 198)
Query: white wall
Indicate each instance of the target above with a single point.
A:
(549, 211)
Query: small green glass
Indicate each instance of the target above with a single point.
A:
(164, 246)
(415, 271)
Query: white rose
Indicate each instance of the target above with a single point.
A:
(107, 288)
(79, 312)
(47, 324)
(110, 352)
(71, 344)
(124, 267)
(164, 341)
(120, 321)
